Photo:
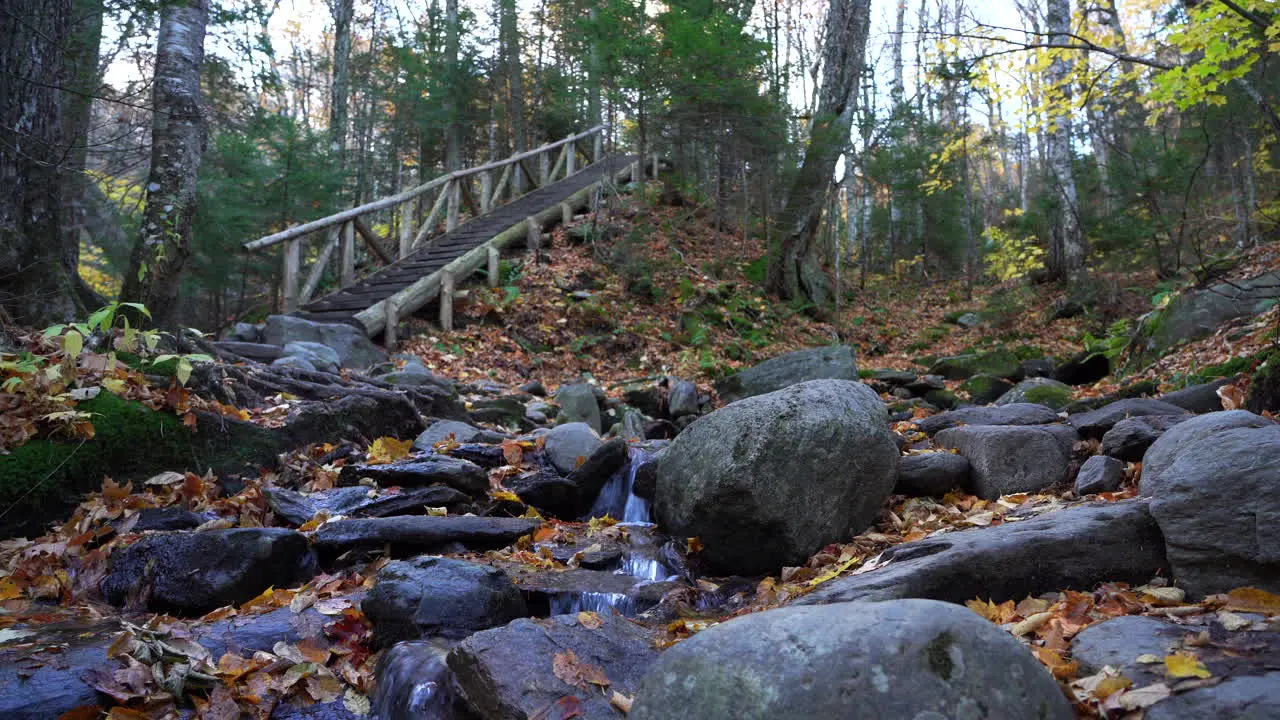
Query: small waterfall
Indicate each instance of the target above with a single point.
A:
(413, 683)
(597, 602)
(616, 498)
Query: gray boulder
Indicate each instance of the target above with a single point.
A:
(245, 332)
(419, 377)
(359, 501)
(568, 446)
(578, 404)
(232, 566)
(461, 432)
(903, 659)
(295, 361)
(931, 474)
(508, 673)
(1006, 459)
(435, 596)
(323, 357)
(1014, 414)
(1129, 439)
(1252, 697)
(1099, 474)
(683, 399)
(420, 470)
(1201, 398)
(1218, 504)
(1077, 547)
(1095, 423)
(1164, 450)
(354, 348)
(835, 362)
(766, 481)
(251, 351)
(983, 388)
(411, 535)
(1040, 391)
(1193, 315)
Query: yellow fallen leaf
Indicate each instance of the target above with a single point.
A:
(9, 590)
(1111, 685)
(589, 620)
(1185, 666)
(387, 450)
(506, 495)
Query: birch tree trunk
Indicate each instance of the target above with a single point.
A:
(510, 33)
(795, 264)
(177, 139)
(1067, 242)
(343, 11)
(36, 287)
(453, 129)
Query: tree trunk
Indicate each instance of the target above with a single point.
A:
(83, 81)
(38, 287)
(515, 85)
(1067, 245)
(177, 138)
(795, 269)
(453, 129)
(343, 11)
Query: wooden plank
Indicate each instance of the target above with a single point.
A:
(289, 277)
(347, 255)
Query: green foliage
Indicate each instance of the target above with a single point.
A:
(1111, 345)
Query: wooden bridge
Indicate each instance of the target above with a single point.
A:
(429, 264)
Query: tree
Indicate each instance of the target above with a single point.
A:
(39, 285)
(1066, 248)
(177, 140)
(795, 264)
(340, 92)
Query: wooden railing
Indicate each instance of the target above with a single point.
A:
(452, 191)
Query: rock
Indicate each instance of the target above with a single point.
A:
(944, 399)
(1218, 502)
(435, 596)
(534, 387)
(1096, 423)
(294, 361)
(508, 411)
(591, 475)
(924, 384)
(232, 566)
(1099, 474)
(1198, 398)
(410, 534)
(983, 388)
(931, 474)
(1040, 391)
(1000, 363)
(904, 659)
(1139, 389)
(1164, 450)
(1039, 367)
(578, 404)
(246, 634)
(893, 377)
(173, 517)
(1083, 368)
(969, 320)
(562, 592)
(1193, 315)
(323, 357)
(291, 708)
(354, 348)
(1119, 642)
(424, 469)
(835, 362)
(1013, 414)
(251, 350)
(462, 432)
(632, 427)
(550, 493)
(419, 378)
(766, 481)
(508, 673)
(1077, 547)
(43, 680)
(683, 399)
(246, 333)
(568, 446)
(1067, 309)
(1264, 384)
(645, 396)
(1129, 439)
(1007, 459)
(360, 501)
(1255, 696)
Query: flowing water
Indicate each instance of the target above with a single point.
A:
(617, 499)
(413, 683)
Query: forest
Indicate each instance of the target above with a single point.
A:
(709, 359)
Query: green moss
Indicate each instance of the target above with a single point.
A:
(1053, 397)
(938, 655)
(1264, 390)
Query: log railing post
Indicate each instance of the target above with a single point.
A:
(534, 237)
(571, 159)
(289, 278)
(544, 169)
(655, 166)
(566, 214)
(486, 192)
(393, 321)
(637, 170)
(493, 266)
(446, 300)
(347, 255)
(454, 189)
(597, 146)
(406, 228)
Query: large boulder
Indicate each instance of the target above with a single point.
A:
(1165, 450)
(835, 362)
(904, 659)
(568, 446)
(354, 348)
(1129, 439)
(1013, 414)
(578, 403)
(1095, 423)
(436, 596)
(1202, 398)
(1076, 547)
(1193, 315)
(228, 566)
(526, 668)
(998, 363)
(1006, 459)
(1040, 391)
(1083, 368)
(766, 481)
(1218, 503)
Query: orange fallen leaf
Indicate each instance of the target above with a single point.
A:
(1249, 599)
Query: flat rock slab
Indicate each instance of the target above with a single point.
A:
(358, 501)
(426, 469)
(1013, 414)
(508, 673)
(835, 362)
(418, 533)
(1076, 548)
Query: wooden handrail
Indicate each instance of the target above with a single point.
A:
(352, 213)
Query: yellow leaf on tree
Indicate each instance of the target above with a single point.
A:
(1185, 666)
(387, 450)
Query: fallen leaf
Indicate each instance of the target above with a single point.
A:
(693, 545)
(1142, 697)
(589, 620)
(620, 701)
(1249, 599)
(1184, 666)
(356, 703)
(578, 674)
(1062, 668)
(386, 450)
(1148, 659)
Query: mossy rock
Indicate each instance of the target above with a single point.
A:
(1264, 390)
(40, 480)
(984, 388)
(944, 399)
(1040, 391)
(1000, 363)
